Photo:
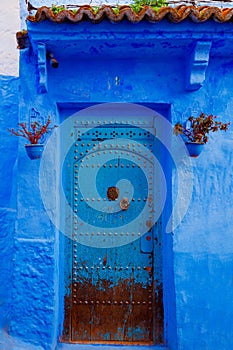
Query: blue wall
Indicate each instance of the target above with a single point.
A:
(203, 253)
(198, 301)
(8, 147)
(8, 151)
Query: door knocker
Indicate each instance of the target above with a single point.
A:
(113, 193)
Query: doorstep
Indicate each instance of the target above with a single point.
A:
(63, 346)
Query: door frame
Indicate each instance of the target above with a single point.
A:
(67, 109)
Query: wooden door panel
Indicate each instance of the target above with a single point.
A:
(112, 290)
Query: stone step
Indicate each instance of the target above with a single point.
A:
(64, 346)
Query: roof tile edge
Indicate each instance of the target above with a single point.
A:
(173, 14)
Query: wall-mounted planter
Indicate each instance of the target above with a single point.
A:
(194, 148)
(34, 151)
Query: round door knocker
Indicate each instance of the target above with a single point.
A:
(124, 203)
(113, 193)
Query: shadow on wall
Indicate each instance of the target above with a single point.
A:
(8, 154)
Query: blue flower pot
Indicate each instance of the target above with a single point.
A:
(34, 151)
(194, 148)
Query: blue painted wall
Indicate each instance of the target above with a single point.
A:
(198, 298)
(8, 151)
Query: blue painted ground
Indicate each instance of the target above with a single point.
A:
(11, 343)
(107, 347)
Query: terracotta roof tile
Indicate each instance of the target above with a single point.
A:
(173, 14)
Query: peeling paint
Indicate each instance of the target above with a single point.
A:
(126, 312)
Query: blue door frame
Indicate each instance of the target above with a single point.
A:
(102, 267)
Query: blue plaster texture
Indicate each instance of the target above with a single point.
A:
(204, 297)
(150, 61)
(203, 248)
(8, 150)
(32, 220)
(7, 219)
(33, 292)
(8, 147)
(8, 342)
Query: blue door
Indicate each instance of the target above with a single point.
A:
(114, 267)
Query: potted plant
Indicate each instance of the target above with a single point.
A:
(195, 131)
(33, 134)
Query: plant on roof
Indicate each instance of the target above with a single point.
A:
(95, 9)
(57, 8)
(138, 5)
(34, 132)
(198, 129)
(116, 10)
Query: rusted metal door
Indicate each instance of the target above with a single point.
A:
(114, 291)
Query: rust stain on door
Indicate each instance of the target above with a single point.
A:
(126, 313)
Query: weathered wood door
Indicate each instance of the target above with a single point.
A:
(114, 287)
